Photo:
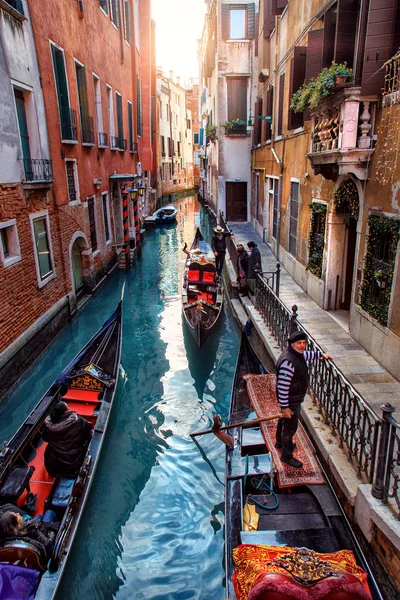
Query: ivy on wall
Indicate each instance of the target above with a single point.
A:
(345, 198)
(316, 239)
(374, 298)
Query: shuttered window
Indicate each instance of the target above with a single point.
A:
(297, 77)
(257, 122)
(130, 126)
(238, 21)
(120, 122)
(139, 107)
(280, 104)
(237, 98)
(314, 53)
(269, 18)
(115, 12)
(92, 223)
(128, 21)
(294, 216)
(269, 111)
(275, 199)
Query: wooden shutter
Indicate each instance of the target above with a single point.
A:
(269, 18)
(347, 16)
(257, 122)
(269, 111)
(314, 53)
(278, 6)
(237, 98)
(280, 103)
(251, 21)
(378, 44)
(328, 44)
(297, 76)
(257, 32)
(225, 10)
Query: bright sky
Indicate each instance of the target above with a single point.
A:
(179, 23)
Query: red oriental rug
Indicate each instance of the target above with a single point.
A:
(261, 390)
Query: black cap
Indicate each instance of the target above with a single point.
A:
(296, 336)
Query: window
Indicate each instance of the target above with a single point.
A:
(23, 133)
(115, 12)
(17, 4)
(162, 145)
(68, 121)
(238, 21)
(9, 243)
(294, 215)
(106, 216)
(87, 125)
(136, 24)
(104, 5)
(280, 104)
(42, 241)
(297, 77)
(273, 186)
(102, 137)
(317, 238)
(130, 126)
(196, 138)
(92, 222)
(110, 109)
(139, 107)
(128, 21)
(120, 122)
(269, 112)
(237, 99)
(72, 180)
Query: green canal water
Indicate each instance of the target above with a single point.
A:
(153, 527)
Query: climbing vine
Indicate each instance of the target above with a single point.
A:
(378, 269)
(316, 239)
(346, 198)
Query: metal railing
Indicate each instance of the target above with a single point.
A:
(102, 139)
(371, 442)
(118, 143)
(69, 124)
(37, 169)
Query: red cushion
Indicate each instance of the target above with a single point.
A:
(85, 395)
(208, 276)
(193, 275)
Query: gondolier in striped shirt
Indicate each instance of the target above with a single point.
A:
(292, 380)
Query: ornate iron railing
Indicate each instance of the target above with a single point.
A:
(372, 443)
(69, 124)
(102, 139)
(37, 169)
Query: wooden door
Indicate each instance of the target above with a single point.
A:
(236, 201)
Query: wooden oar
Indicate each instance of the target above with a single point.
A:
(241, 424)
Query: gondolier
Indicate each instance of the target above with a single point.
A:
(292, 380)
(218, 245)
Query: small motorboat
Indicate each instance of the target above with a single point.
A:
(165, 214)
(202, 291)
(88, 386)
(286, 533)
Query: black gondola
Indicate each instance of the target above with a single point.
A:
(202, 295)
(282, 541)
(88, 386)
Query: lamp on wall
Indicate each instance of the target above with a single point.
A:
(133, 192)
(141, 190)
(262, 117)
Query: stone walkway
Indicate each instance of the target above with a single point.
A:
(367, 376)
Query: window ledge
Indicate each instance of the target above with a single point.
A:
(8, 262)
(96, 253)
(39, 184)
(102, 146)
(88, 144)
(12, 11)
(44, 282)
(108, 243)
(238, 41)
(72, 142)
(375, 322)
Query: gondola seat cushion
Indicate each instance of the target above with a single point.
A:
(83, 395)
(15, 483)
(193, 275)
(61, 492)
(208, 276)
(18, 583)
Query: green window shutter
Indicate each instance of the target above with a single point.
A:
(251, 21)
(120, 122)
(225, 10)
(139, 107)
(130, 126)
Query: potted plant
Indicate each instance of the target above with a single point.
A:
(235, 126)
(380, 278)
(312, 93)
(211, 131)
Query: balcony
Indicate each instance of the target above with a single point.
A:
(118, 143)
(134, 148)
(102, 139)
(342, 136)
(87, 131)
(69, 125)
(37, 170)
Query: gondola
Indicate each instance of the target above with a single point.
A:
(286, 535)
(202, 295)
(88, 386)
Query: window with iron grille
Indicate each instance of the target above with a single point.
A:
(128, 21)
(43, 254)
(104, 5)
(316, 239)
(115, 12)
(106, 217)
(379, 263)
(92, 223)
(72, 176)
(294, 215)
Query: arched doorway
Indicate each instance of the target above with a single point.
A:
(77, 270)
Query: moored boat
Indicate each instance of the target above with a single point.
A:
(202, 293)
(165, 214)
(286, 535)
(88, 386)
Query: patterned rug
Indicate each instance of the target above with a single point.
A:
(261, 390)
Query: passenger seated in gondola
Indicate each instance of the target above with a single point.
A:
(66, 434)
(17, 525)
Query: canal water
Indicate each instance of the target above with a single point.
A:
(153, 525)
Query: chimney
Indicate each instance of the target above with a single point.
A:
(178, 80)
(171, 75)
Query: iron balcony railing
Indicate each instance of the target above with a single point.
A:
(118, 143)
(102, 139)
(69, 124)
(372, 443)
(87, 123)
(37, 169)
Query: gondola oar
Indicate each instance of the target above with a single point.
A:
(241, 424)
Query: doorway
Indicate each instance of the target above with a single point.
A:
(236, 201)
(77, 269)
(348, 267)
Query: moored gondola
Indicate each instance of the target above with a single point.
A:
(202, 295)
(88, 386)
(286, 535)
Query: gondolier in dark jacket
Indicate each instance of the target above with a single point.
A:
(292, 380)
(66, 434)
(254, 265)
(218, 245)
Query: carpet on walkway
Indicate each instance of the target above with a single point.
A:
(261, 390)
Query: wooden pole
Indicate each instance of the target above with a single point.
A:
(241, 424)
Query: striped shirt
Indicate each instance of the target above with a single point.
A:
(285, 376)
